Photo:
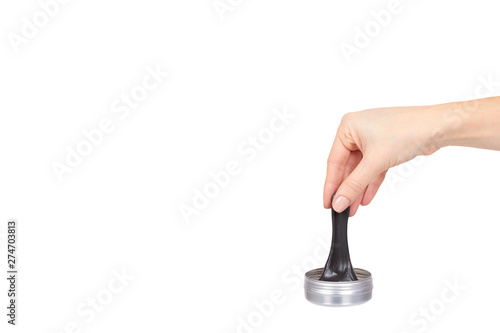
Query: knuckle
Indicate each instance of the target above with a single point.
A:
(334, 167)
(353, 185)
(332, 162)
(347, 117)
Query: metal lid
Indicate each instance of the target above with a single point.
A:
(329, 293)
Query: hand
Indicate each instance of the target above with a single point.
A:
(370, 142)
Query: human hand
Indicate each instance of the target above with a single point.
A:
(370, 142)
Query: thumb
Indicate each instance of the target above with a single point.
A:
(354, 185)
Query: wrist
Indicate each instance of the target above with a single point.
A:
(445, 121)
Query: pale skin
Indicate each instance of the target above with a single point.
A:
(370, 142)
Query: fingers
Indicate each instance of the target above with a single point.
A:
(368, 194)
(354, 185)
(352, 163)
(355, 205)
(372, 189)
(339, 155)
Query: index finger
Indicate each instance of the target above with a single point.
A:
(339, 155)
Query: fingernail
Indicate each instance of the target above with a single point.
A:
(340, 204)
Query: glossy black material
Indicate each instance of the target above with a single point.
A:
(338, 266)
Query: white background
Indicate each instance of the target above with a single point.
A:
(437, 221)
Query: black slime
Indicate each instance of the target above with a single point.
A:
(338, 266)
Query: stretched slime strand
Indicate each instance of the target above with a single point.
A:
(338, 266)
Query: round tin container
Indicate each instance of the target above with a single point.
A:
(329, 293)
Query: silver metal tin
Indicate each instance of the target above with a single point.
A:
(328, 293)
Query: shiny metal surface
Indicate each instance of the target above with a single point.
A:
(328, 293)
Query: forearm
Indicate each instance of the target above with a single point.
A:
(470, 124)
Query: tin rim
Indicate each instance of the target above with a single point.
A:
(343, 293)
